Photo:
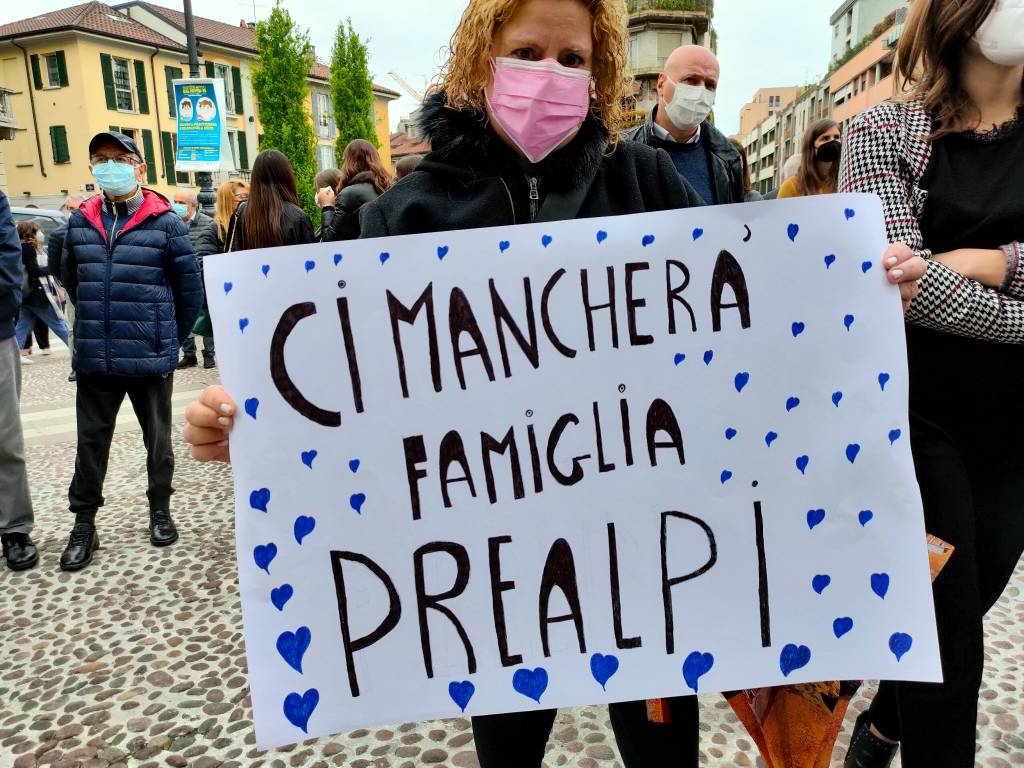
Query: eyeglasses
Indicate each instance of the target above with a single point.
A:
(121, 159)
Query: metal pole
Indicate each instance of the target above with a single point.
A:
(207, 197)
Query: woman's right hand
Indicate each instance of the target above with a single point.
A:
(208, 422)
(325, 197)
(904, 269)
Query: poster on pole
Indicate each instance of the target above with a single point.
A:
(571, 463)
(202, 129)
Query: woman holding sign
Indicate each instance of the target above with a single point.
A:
(948, 164)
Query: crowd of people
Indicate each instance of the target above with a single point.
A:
(525, 126)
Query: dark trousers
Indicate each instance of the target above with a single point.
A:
(188, 347)
(518, 739)
(974, 499)
(97, 404)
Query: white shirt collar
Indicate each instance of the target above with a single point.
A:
(664, 135)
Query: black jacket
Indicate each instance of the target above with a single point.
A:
(296, 228)
(203, 234)
(341, 221)
(726, 164)
(10, 270)
(35, 296)
(473, 179)
(54, 248)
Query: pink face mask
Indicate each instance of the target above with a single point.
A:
(538, 104)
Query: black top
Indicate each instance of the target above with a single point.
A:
(36, 295)
(975, 186)
(296, 228)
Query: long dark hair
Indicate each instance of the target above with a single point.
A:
(272, 185)
(361, 155)
(746, 166)
(809, 180)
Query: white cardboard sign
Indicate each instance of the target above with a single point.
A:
(559, 464)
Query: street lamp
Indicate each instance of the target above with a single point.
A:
(207, 197)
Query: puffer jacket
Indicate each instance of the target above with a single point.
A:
(203, 234)
(10, 270)
(136, 298)
(341, 221)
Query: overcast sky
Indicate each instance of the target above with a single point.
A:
(761, 43)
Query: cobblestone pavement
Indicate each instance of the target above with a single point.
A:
(138, 661)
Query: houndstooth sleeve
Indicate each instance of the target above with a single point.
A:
(882, 155)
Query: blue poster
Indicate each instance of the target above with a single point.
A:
(200, 125)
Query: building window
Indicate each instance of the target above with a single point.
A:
(634, 51)
(123, 85)
(233, 143)
(856, 86)
(668, 42)
(223, 71)
(59, 143)
(323, 114)
(324, 157)
(6, 111)
(52, 71)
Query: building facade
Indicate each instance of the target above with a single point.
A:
(867, 79)
(766, 102)
(854, 20)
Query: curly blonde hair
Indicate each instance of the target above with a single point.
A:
(464, 76)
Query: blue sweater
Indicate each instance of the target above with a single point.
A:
(691, 160)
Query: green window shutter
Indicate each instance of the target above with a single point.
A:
(59, 142)
(62, 69)
(168, 147)
(107, 68)
(243, 152)
(209, 69)
(114, 128)
(236, 81)
(37, 76)
(147, 153)
(140, 87)
(172, 73)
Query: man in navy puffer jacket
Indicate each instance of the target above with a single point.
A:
(129, 268)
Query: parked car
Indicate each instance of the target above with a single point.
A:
(48, 220)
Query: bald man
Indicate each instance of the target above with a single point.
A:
(679, 124)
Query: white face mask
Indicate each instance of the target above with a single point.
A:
(690, 105)
(1001, 36)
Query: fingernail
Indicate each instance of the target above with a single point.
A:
(891, 261)
(225, 409)
(224, 422)
(897, 273)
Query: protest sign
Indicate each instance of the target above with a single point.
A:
(202, 131)
(561, 464)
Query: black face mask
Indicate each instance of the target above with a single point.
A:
(829, 153)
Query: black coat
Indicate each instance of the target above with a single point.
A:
(10, 270)
(54, 248)
(203, 234)
(35, 296)
(341, 221)
(725, 161)
(296, 228)
(473, 179)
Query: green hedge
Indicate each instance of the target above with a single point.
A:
(671, 5)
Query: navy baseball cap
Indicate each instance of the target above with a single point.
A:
(115, 137)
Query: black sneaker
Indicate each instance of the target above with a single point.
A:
(209, 362)
(19, 550)
(189, 361)
(81, 545)
(162, 531)
(867, 750)
(72, 376)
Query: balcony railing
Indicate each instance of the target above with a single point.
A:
(701, 6)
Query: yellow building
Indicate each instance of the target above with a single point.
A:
(69, 74)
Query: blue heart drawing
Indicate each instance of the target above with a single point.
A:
(251, 406)
(894, 435)
(293, 646)
(310, 265)
(742, 379)
(798, 328)
(730, 433)
(264, 555)
(852, 451)
(697, 234)
(356, 501)
(880, 584)
(680, 357)
(793, 230)
(304, 526)
(546, 240)
(695, 666)
(866, 267)
(883, 379)
(794, 657)
(442, 251)
(280, 596)
(601, 236)
(726, 476)
(461, 693)
(802, 462)
(830, 260)
(709, 356)
(820, 582)
(603, 667)
(864, 517)
(849, 213)
(647, 240)
(837, 398)
(298, 709)
(899, 644)
(504, 245)
(260, 499)
(227, 288)
(243, 324)
(337, 259)
(815, 517)
(770, 438)
(792, 403)
(265, 269)
(308, 457)
(384, 256)
(353, 466)
(842, 625)
(531, 682)
(848, 322)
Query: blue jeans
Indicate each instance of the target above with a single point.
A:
(29, 315)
